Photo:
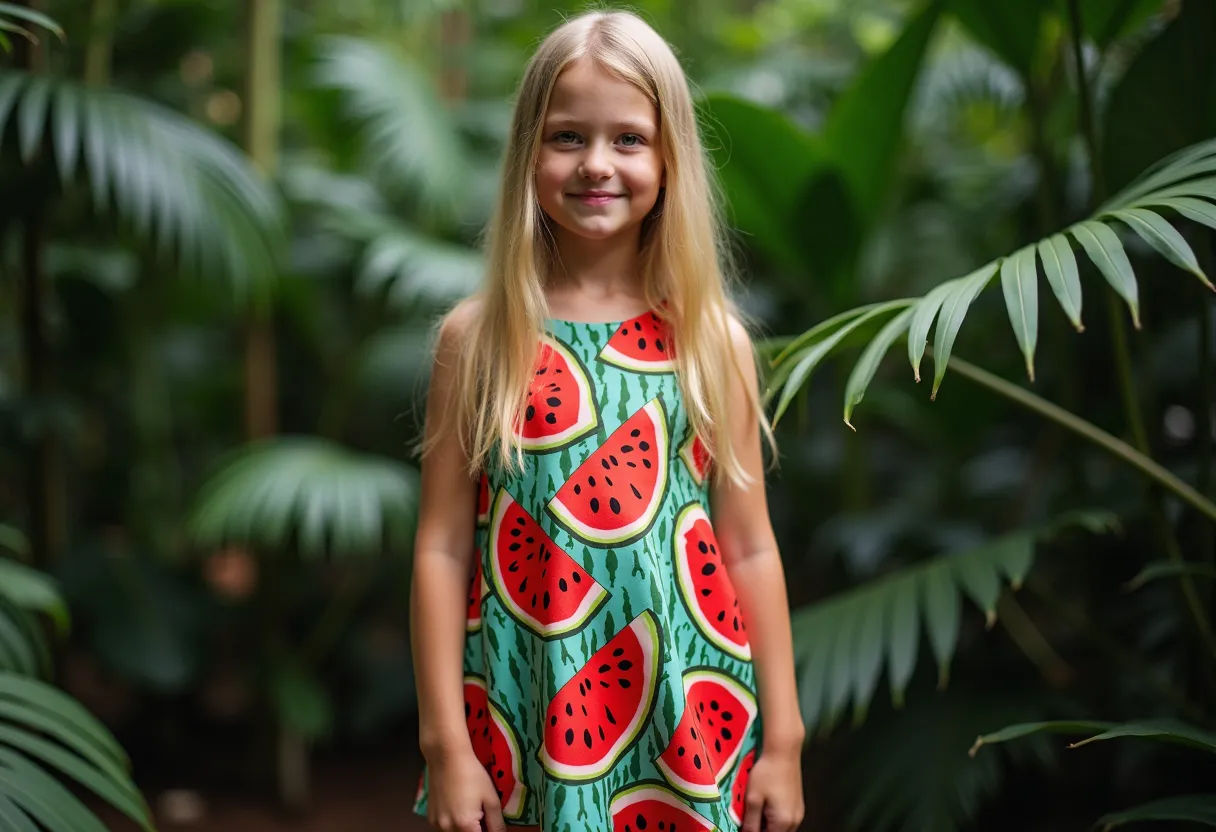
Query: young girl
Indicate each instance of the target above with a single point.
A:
(599, 619)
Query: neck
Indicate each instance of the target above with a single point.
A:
(605, 267)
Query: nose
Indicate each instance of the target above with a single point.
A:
(596, 163)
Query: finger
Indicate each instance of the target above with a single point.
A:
(493, 816)
(753, 812)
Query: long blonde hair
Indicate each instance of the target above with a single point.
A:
(684, 254)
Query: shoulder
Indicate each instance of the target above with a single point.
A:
(461, 321)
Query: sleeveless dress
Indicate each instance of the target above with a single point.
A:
(608, 677)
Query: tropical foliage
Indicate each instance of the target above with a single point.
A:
(192, 230)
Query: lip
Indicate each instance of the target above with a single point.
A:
(595, 197)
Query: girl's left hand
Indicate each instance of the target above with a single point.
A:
(774, 793)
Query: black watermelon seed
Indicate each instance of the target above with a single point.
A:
(625, 683)
(632, 464)
(644, 445)
(514, 567)
(606, 465)
(613, 459)
(569, 707)
(529, 540)
(635, 433)
(595, 506)
(523, 585)
(620, 651)
(578, 579)
(646, 462)
(604, 668)
(714, 705)
(587, 737)
(578, 489)
(553, 401)
(706, 591)
(624, 664)
(547, 601)
(515, 547)
(591, 481)
(569, 736)
(635, 491)
(726, 734)
(637, 326)
(728, 716)
(529, 413)
(708, 569)
(615, 505)
(641, 343)
(515, 532)
(553, 720)
(602, 737)
(722, 615)
(696, 760)
(626, 449)
(658, 345)
(562, 585)
(608, 715)
(704, 549)
(680, 751)
(718, 746)
(551, 418)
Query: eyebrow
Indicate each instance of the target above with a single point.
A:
(628, 126)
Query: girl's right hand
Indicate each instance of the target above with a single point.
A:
(461, 795)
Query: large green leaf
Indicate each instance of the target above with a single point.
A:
(33, 590)
(1106, 21)
(842, 644)
(1183, 182)
(410, 141)
(1166, 99)
(317, 494)
(1010, 28)
(39, 725)
(177, 184)
(865, 128)
(1193, 808)
(764, 162)
(10, 12)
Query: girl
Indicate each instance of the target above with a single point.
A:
(592, 651)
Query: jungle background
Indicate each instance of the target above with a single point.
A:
(227, 230)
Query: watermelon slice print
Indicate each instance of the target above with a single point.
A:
(540, 586)
(477, 591)
(646, 807)
(560, 406)
(599, 715)
(614, 496)
(496, 745)
(718, 713)
(641, 345)
(696, 457)
(738, 791)
(705, 586)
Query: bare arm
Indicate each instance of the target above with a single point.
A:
(749, 550)
(443, 563)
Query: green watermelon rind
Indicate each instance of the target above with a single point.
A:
(590, 605)
(513, 809)
(579, 430)
(639, 528)
(690, 460)
(696, 791)
(654, 790)
(611, 355)
(735, 816)
(651, 642)
(688, 591)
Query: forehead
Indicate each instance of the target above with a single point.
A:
(587, 92)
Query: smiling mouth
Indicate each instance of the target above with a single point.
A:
(595, 198)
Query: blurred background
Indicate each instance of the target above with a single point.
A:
(226, 232)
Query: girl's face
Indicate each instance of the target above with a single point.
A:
(600, 165)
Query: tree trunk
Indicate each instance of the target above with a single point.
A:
(262, 120)
(43, 477)
(100, 49)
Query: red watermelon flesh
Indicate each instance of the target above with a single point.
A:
(598, 715)
(613, 497)
(542, 587)
(483, 501)
(560, 407)
(696, 458)
(642, 344)
(738, 791)
(705, 585)
(650, 807)
(476, 593)
(496, 745)
(718, 712)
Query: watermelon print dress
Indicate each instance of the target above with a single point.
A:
(608, 677)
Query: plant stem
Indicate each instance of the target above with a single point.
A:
(1089, 131)
(1142, 462)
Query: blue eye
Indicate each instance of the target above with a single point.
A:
(631, 140)
(565, 137)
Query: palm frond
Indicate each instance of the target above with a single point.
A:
(910, 772)
(10, 12)
(42, 728)
(318, 494)
(176, 184)
(410, 140)
(1193, 808)
(407, 264)
(1183, 183)
(23, 644)
(1162, 730)
(842, 645)
(12, 539)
